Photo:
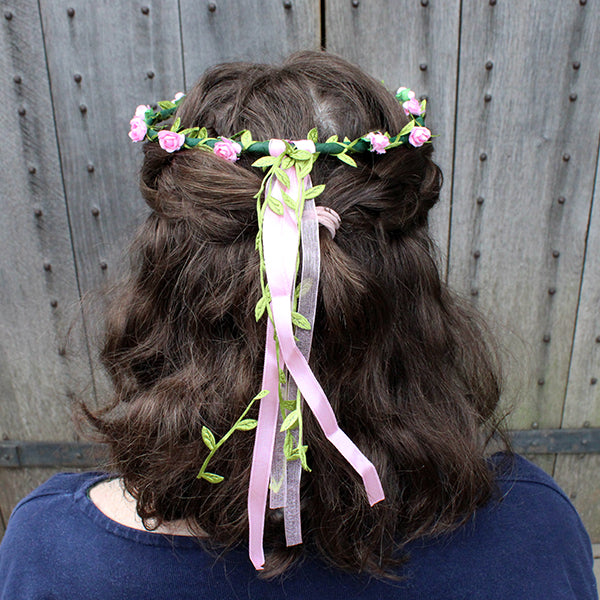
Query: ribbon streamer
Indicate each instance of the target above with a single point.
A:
(280, 249)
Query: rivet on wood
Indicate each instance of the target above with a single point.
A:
(95, 211)
(77, 78)
(78, 455)
(53, 303)
(535, 425)
(540, 381)
(489, 65)
(22, 111)
(566, 157)
(355, 3)
(480, 200)
(38, 212)
(476, 254)
(8, 15)
(70, 12)
(103, 265)
(587, 424)
(487, 98)
(483, 156)
(555, 253)
(573, 495)
(492, 2)
(32, 170)
(47, 267)
(583, 2)
(145, 10)
(546, 339)
(82, 109)
(423, 66)
(150, 74)
(561, 200)
(424, 3)
(474, 292)
(212, 7)
(90, 168)
(573, 97)
(598, 339)
(576, 65)
(17, 79)
(62, 351)
(593, 381)
(552, 291)
(287, 4)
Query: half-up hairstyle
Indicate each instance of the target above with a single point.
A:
(404, 363)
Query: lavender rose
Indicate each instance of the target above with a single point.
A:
(170, 140)
(379, 142)
(227, 149)
(138, 129)
(418, 136)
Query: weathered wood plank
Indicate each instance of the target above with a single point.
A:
(39, 313)
(581, 475)
(254, 31)
(529, 153)
(104, 60)
(404, 43)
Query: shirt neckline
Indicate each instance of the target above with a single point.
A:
(86, 505)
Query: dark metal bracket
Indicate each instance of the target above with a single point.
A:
(19, 454)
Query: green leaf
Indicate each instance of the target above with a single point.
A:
(246, 138)
(407, 128)
(212, 477)
(166, 104)
(346, 139)
(313, 192)
(288, 444)
(288, 404)
(265, 161)
(298, 154)
(313, 135)
(246, 424)
(261, 395)
(346, 159)
(203, 133)
(283, 177)
(275, 205)
(289, 200)
(286, 163)
(302, 451)
(208, 438)
(275, 486)
(305, 169)
(300, 321)
(282, 377)
(260, 308)
(289, 421)
(190, 132)
(176, 124)
(330, 140)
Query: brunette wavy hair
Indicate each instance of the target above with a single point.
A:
(407, 365)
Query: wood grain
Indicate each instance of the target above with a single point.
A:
(249, 31)
(405, 44)
(43, 353)
(531, 242)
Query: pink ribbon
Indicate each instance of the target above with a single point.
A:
(280, 246)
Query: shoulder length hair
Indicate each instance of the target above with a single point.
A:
(404, 362)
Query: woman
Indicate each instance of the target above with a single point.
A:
(403, 364)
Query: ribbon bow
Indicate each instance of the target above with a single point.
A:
(281, 237)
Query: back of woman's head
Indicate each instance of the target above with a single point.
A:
(404, 364)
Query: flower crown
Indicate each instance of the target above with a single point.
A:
(143, 126)
(287, 231)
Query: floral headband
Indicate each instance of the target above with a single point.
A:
(288, 223)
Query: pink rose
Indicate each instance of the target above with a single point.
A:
(412, 107)
(170, 140)
(227, 149)
(379, 142)
(138, 129)
(419, 135)
(178, 95)
(140, 111)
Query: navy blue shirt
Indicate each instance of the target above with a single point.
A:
(529, 545)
